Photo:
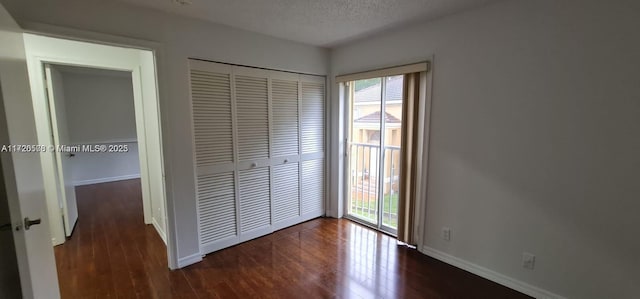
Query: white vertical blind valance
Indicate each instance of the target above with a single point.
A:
(384, 72)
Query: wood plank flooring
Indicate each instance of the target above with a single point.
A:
(112, 254)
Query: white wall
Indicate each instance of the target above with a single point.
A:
(534, 138)
(99, 106)
(94, 168)
(180, 38)
(100, 110)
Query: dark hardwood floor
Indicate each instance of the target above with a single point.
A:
(112, 254)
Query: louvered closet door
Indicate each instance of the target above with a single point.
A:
(259, 151)
(284, 94)
(285, 101)
(313, 145)
(211, 97)
(252, 118)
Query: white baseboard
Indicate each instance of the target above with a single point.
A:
(107, 180)
(496, 277)
(160, 231)
(55, 242)
(189, 260)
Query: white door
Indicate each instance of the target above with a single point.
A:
(214, 155)
(9, 273)
(259, 150)
(312, 120)
(60, 132)
(285, 149)
(22, 172)
(252, 129)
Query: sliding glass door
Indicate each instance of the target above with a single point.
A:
(374, 135)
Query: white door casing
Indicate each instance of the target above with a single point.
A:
(41, 50)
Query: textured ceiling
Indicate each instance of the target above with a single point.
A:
(317, 22)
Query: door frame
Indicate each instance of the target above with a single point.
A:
(159, 53)
(142, 79)
(344, 96)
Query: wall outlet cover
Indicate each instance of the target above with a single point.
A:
(528, 260)
(446, 233)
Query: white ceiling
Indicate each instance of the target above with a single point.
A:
(316, 22)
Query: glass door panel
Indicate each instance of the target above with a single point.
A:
(365, 149)
(374, 135)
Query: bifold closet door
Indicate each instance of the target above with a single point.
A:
(259, 151)
(211, 96)
(313, 145)
(285, 107)
(252, 117)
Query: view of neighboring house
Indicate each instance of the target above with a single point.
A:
(366, 138)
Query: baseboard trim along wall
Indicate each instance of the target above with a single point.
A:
(496, 277)
(162, 234)
(189, 260)
(107, 180)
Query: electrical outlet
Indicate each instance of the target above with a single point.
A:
(528, 260)
(446, 234)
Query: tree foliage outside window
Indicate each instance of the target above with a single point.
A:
(362, 84)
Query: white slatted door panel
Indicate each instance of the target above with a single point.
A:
(313, 146)
(313, 187)
(252, 108)
(217, 207)
(285, 142)
(313, 116)
(284, 94)
(211, 104)
(286, 192)
(211, 97)
(255, 199)
(252, 119)
(259, 150)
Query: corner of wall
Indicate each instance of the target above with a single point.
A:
(189, 260)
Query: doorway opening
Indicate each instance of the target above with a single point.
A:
(97, 114)
(93, 124)
(374, 131)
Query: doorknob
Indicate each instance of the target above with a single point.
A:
(28, 222)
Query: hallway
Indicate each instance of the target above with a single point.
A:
(111, 251)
